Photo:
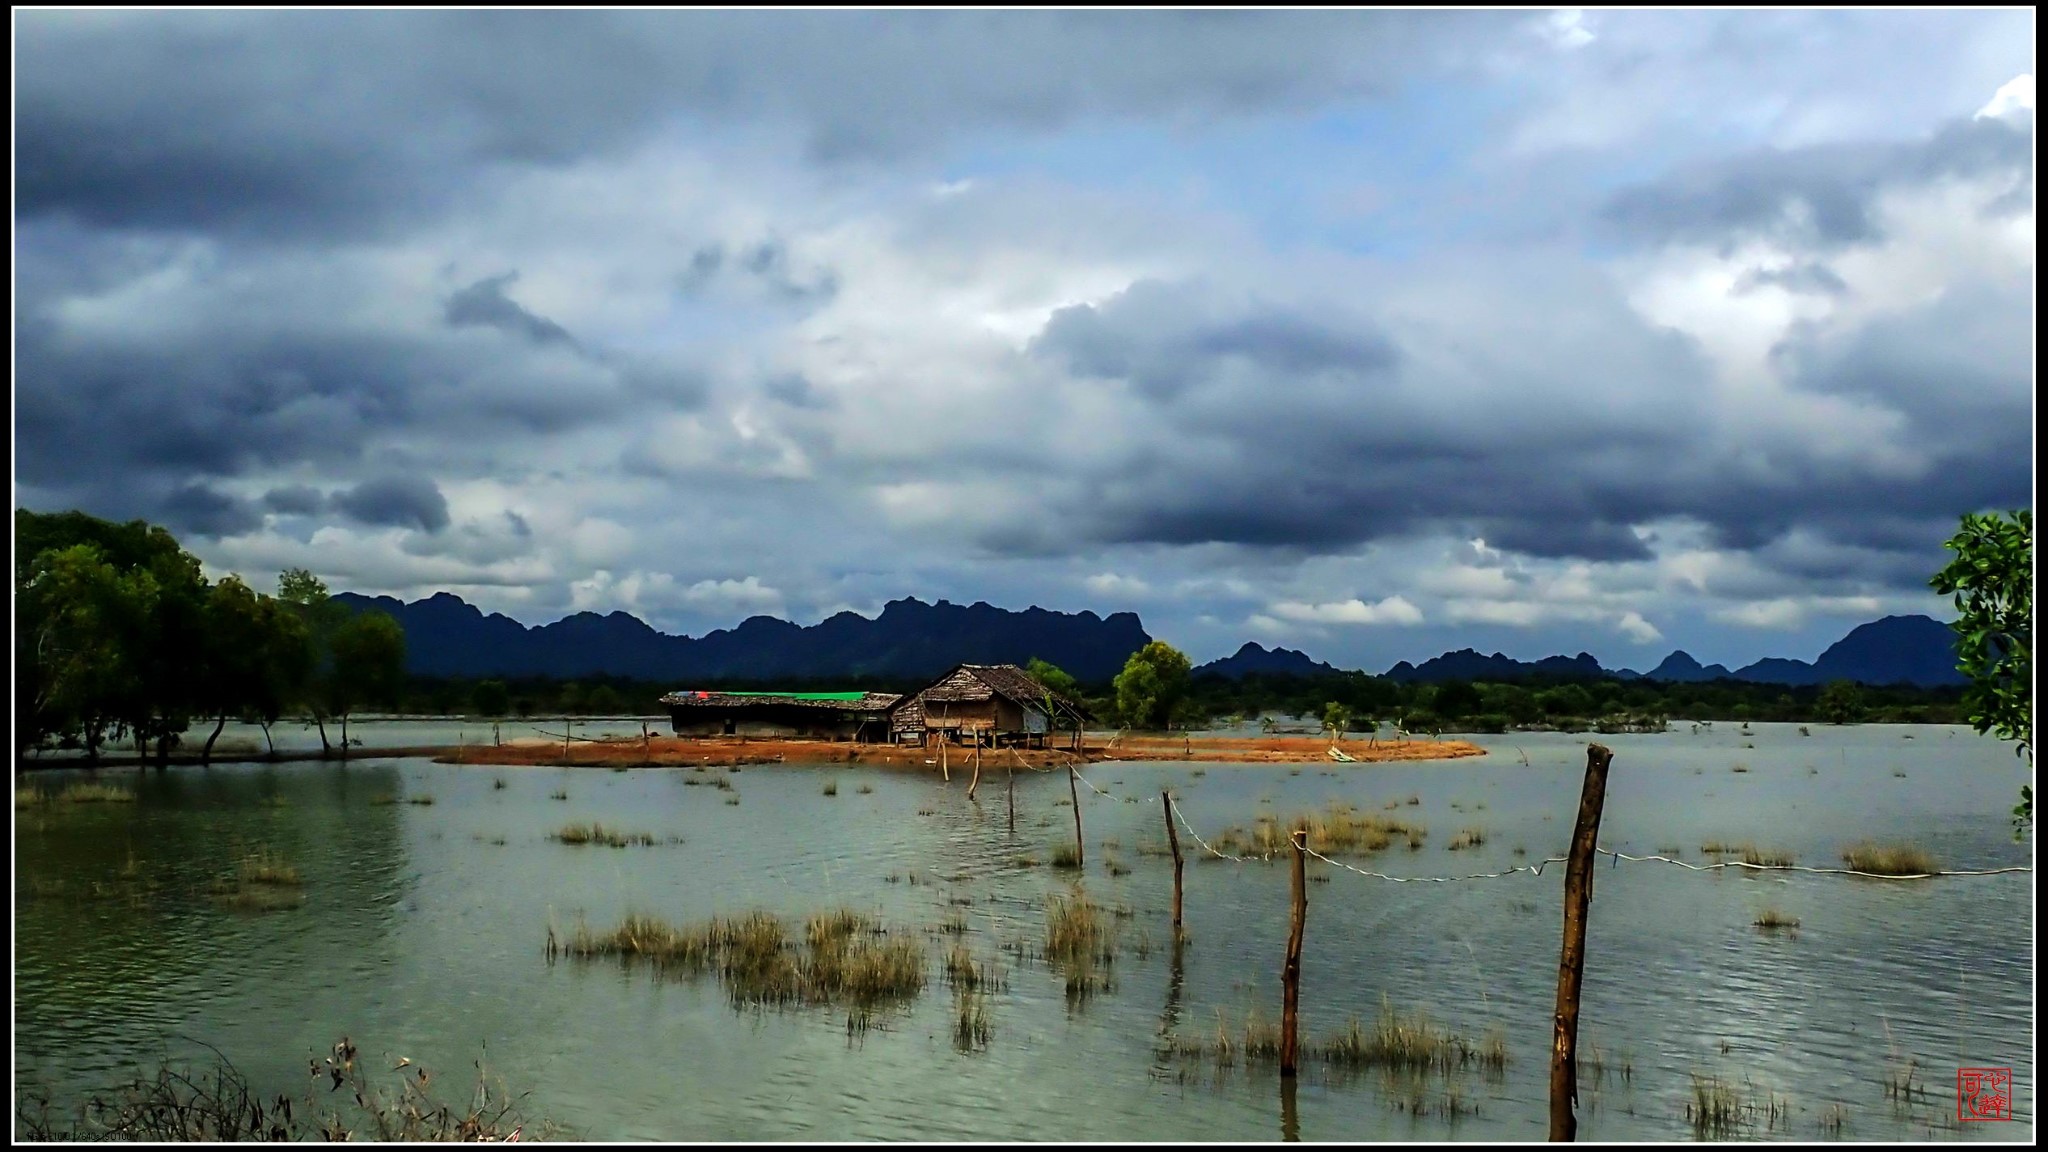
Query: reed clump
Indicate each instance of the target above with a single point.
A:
(559, 794)
(264, 881)
(1775, 919)
(1080, 943)
(78, 792)
(1065, 856)
(1890, 859)
(1337, 829)
(831, 788)
(1467, 838)
(845, 957)
(599, 834)
(1719, 1109)
(1412, 1042)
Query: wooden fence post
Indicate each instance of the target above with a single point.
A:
(945, 772)
(1173, 842)
(1290, 976)
(1080, 849)
(1010, 786)
(976, 782)
(1571, 967)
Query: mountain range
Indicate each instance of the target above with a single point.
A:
(447, 636)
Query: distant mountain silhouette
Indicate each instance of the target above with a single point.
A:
(1895, 650)
(447, 636)
(1253, 658)
(1915, 650)
(1467, 664)
(1680, 667)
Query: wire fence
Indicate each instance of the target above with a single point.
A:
(1536, 868)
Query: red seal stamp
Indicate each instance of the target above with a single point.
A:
(1983, 1094)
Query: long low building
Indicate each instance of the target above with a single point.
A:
(810, 715)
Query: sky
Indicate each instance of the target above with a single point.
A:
(1368, 333)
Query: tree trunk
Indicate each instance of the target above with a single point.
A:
(344, 735)
(269, 748)
(206, 753)
(326, 749)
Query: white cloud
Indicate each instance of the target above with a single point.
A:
(1638, 629)
(2013, 97)
(1790, 612)
(1112, 584)
(1392, 610)
(1566, 29)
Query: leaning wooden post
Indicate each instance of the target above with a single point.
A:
(1578, 897)
(1290, 976)
(945, 772)
(1010, 780)
(976, 782)
(1080, 849)
(1173, 842)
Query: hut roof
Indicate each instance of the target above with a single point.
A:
(829, 701)
(983, 681)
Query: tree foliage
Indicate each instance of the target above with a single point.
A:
(1841, 702)
(1992, 581)
(1153, 686)
(118, 634)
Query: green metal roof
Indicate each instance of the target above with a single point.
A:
(800, 695)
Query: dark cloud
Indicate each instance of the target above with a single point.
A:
(206, 511)
(1165, 339)
(1820, 196)
(763, 271)
(797, 391)
(184, 120)
(396, 501)
(484, 303)
(295, 500)
(1810, 279)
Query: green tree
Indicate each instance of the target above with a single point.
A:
(1841, 702)
(369, 666)
(1336, 720)
(1059, 685)
(1992, 581)
(1456, 698)
(322, 616)
(1152, 685)
(82, 629)
(231, 668)
(604, 700)
(491, 698)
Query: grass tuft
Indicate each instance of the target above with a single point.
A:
(1890, 859)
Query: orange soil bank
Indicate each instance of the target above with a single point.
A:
(669, 751)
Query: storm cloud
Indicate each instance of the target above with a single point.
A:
(1371, 331)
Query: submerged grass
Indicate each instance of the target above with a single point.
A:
(1890, 859)
(79, 792)
(264, 881)
(1338, 829)
(1080, 943)
(1774, 919)
(1719, 1109)
(599, 834)
(1467, 838)
(845, 957)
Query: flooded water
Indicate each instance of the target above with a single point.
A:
(423, 926)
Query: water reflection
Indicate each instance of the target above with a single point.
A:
(423, 929)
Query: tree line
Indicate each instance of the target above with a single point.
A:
(119, 636)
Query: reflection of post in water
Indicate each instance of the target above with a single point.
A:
(1176, 977)
(1290, 1120)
